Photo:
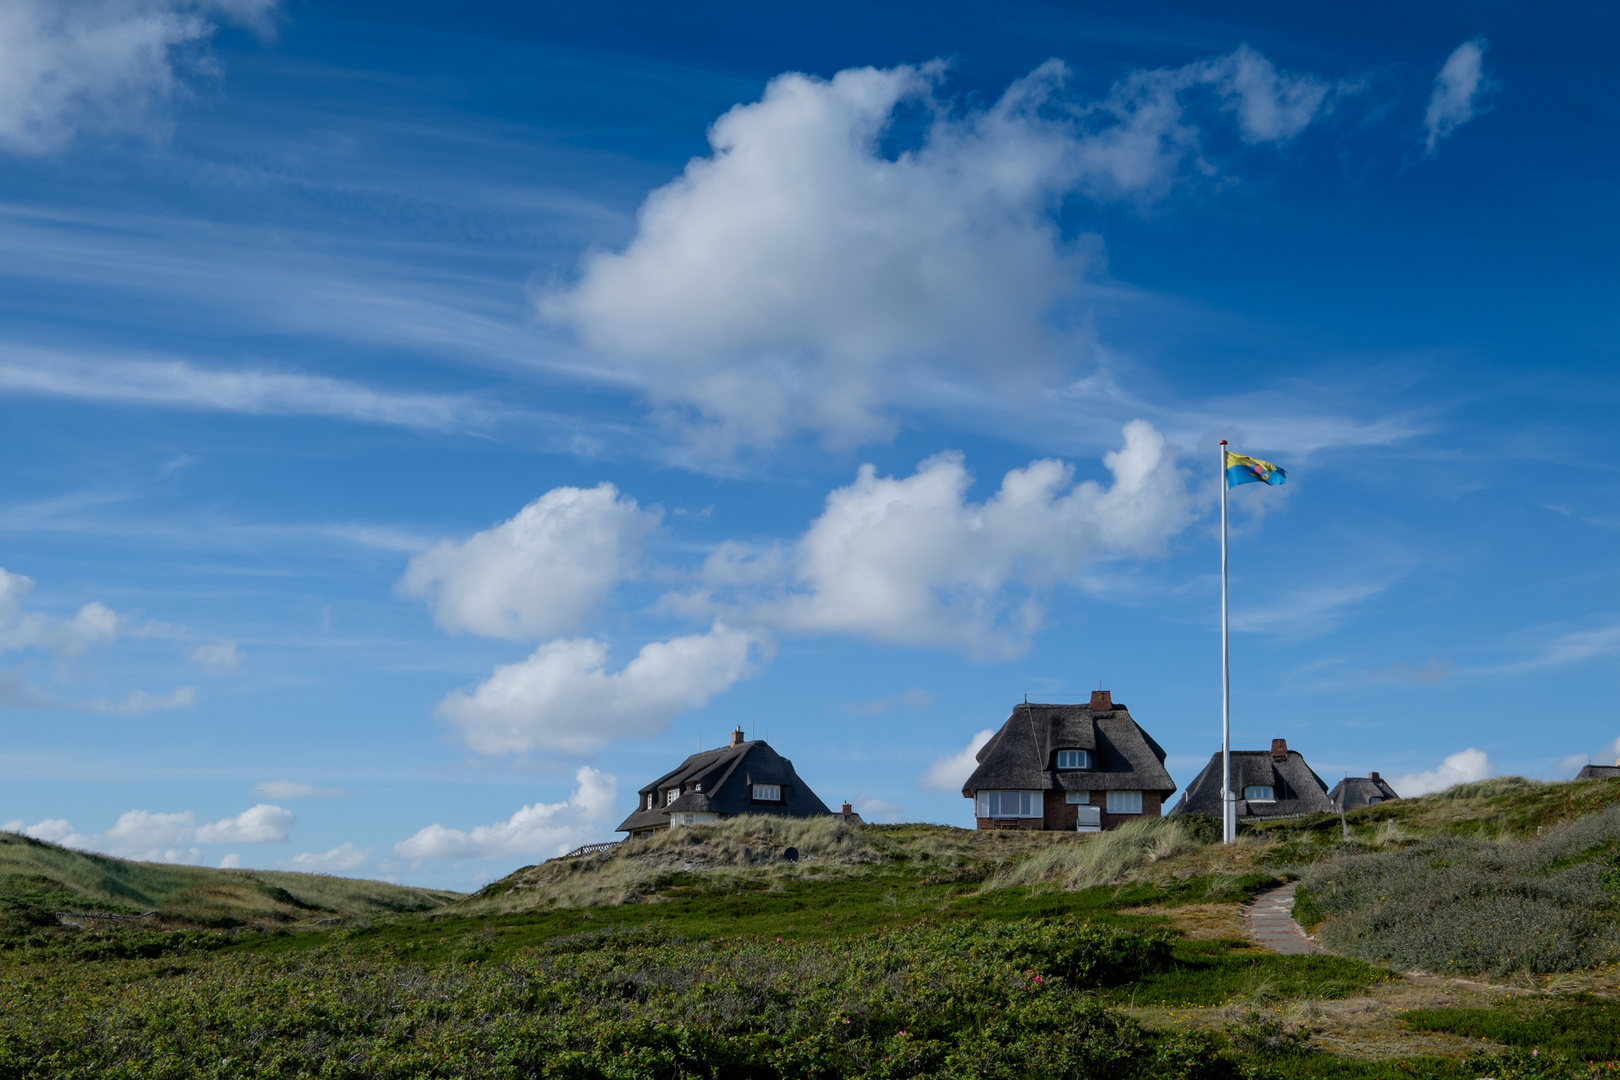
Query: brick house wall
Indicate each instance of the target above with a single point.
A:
(1059, 815)
(1010, 823)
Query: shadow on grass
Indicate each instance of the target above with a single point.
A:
(1212, 973)
(1583, 1026)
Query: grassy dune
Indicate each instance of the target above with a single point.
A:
(903, 951)
(38, 879)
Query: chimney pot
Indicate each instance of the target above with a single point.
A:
(1279, 749)
(1102, 701)
(1373, 777)
(737, 737)
(848, 809)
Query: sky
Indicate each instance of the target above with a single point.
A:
(424, 424)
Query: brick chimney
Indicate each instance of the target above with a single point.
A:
(737, 737)
(1279, 749)
(847, 810)
(1373, 777)
(1102, 701)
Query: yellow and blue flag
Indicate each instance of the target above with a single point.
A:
(1247, 470)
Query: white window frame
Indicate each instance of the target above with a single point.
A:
(1077, 798)
(671, 794)
(1375, 799)
(1269, 796)
(1084, 759)
(1125, 802)
(1026, 804)
(767, 792)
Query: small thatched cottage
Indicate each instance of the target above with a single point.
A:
(1354, 792)
(1277, 783)
(1068, 767)
(1600, 772)
(741, 778)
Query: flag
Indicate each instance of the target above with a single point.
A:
(1248, 470)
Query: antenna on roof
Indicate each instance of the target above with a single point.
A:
(1026, 697)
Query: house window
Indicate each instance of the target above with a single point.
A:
(671, 795)
(1260, 793)
(1077, 798)
(767, 792)
(1074, 759)
(1009, 804)
(1375, 799)
(1124, 802)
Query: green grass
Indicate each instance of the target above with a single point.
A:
(1578, 1025)
(1212, 973)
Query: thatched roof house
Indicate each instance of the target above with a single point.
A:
(1067, 767)
(1354, 792)
(741, 778)
(1599, 772)
(1275, 783)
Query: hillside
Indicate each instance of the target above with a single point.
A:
(38, 879)
(892, 951)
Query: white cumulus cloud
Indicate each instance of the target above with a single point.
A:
(219, 655)
(70, 65)
(912, 561)
(873, 809)
(261, 824)
(538, 573)
(563, 698)
(540, 829)
(796, 277)
(346, 856)
(165, 837)
(20, 628)
(1458, 89)
(950, 773)
(1459, 768)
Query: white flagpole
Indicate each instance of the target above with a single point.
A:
(1228, 803)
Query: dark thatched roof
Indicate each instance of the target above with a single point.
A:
(1599, 772)
(721, 782)
(1023, 754)
(1354, 792)
(1298, 789)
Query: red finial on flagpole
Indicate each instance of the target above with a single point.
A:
(1223, 442)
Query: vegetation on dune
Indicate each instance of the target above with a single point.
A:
(1457, 904)
(1000, 1000)
(1110, 858)
(881, 951)
(39, 879)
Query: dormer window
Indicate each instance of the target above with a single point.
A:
(1260, 793)
(671, 795)
(767, 792)
(1074, 759)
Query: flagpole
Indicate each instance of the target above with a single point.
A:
(1228, 805)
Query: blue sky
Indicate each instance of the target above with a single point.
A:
(422, 426)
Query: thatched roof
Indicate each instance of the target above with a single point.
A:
(721, 782)
(1298, 789)
(1023, 754)
(1599, 772)
(1354, 792)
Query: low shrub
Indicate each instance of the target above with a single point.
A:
(1002, 1001)
(1451, 904)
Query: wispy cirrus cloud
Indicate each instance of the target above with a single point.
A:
(1459, 89)
(180, 384)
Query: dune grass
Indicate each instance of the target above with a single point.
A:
(1085, 860)
(38, 879)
